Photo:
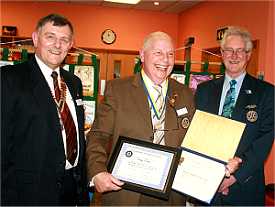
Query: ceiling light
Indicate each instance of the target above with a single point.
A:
(124, 1)
(156, 3)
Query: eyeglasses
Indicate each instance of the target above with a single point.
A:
(231, 51)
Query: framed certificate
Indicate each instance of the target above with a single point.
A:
(198, 175)
(209, 143)
(144, 167)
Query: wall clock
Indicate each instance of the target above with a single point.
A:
(108, 36)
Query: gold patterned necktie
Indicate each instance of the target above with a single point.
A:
(66, 118)
(230, 100)
(158, 116)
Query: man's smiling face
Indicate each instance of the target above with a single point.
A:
(235, 56)
(158, 59)
(52, 43)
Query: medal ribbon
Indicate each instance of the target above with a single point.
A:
(59, 101)
(151, 101)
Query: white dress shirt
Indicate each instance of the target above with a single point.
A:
(69, 100)
(226, 87)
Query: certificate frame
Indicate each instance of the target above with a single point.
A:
(169, 157)
(199, 175)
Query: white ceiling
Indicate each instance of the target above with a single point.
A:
(170, 6)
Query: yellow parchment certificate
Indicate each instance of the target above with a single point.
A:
(213, 135)
(210, 142)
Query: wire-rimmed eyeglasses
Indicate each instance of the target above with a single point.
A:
(231, 51)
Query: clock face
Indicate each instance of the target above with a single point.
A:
(108, 36)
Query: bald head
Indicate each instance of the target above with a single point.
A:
(155, 36)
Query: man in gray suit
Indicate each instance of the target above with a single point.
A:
(250, 101)
(129, 109)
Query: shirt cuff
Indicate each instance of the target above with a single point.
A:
(91, 183)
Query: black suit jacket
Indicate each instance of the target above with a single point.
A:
(32, 151)
(256, 140)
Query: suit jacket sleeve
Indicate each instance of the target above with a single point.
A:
(199, 97)
(256, 153)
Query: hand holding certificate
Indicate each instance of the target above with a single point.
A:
(209, 143)
(144, 167)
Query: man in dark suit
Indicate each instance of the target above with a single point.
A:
(129, 109)
(243, 98)
(42, 145)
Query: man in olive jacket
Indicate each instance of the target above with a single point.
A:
(127, 110)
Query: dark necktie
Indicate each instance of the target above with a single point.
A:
(230, 100)
(66, 118)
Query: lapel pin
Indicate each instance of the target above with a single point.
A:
(172, 100)
(251, 107)
(252, 114)
(248, 91)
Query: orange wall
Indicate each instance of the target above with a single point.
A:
(90, 21)
(203, 20)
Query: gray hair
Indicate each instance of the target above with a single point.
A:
(241, 32)
(153, 36)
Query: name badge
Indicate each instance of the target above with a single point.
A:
(182, 111)
(79, 102)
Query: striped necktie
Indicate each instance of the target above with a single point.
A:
(66, 118)
(230, 100)
(158, 116)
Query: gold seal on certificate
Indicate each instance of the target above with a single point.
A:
(144, 167)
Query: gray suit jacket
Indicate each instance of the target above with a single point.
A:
(125, 112)
(256, 140)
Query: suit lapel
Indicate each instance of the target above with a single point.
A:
(170, 114)
(216, 96)
(69, 83)
(42, 95)
(140, 98)
(244, 99)
(171, 119)
(79, 110)
(74, 93)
